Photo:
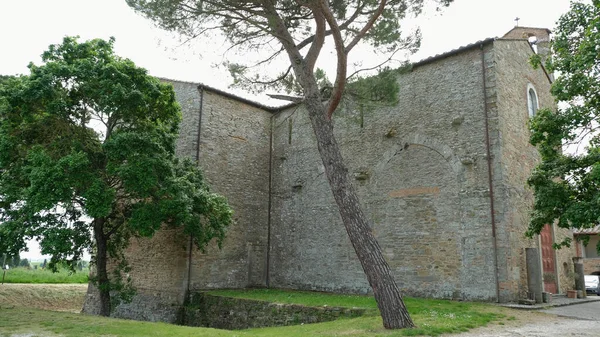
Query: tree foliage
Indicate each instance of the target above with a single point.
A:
(249, 26)
(11, 260)
(295, 31)
(24, 263)
(567, 181)
(87, 160)
(4, 78)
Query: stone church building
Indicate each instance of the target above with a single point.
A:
(441, 175)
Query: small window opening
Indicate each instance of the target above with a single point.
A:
(532, 101)
(533, 42)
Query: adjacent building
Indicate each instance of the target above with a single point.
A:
(589, 251)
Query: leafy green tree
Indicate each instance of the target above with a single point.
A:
(566, 183)
(12, 260)
(297, 30)
(87, 143)
(15, 261)
(9, 259)
(24, 263)
(4, 78)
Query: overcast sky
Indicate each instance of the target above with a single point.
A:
(27, 27)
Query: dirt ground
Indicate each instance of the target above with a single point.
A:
(536, 324)
(57, 297)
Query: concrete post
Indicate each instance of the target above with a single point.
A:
(534, 274)
(579, 275)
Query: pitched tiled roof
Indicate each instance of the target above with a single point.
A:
(233, 96)
(425, 61)
(454, 51)
(583, 231)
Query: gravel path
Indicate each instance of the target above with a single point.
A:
(576, 320)
(558, 328)
(587, 311)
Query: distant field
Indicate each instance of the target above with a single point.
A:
(24, 275)
(57, 297)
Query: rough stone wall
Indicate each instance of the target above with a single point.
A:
(523, 33)
(564, 261)
(234, 155)
(421, 175)
(590, 266)
(237, 313)
(515, 162)
(231, 140)
(233, 150)
(190, 100)
(158, 272)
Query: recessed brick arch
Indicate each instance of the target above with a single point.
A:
(422, 140)
(416, 214)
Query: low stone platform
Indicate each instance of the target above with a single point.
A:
(557, 301)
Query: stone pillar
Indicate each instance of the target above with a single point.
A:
(579, 275)
(534, 274)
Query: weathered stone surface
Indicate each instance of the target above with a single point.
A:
(236, 313)
(514, 163)
(234, 155)
(428, 194)
(591, 265)
(429, 211)
(535, 282)
(159, 269)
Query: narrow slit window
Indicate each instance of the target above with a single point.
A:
(532, 101)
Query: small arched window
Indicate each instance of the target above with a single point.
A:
(532, 100)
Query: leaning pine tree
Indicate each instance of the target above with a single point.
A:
(87, 160)
(298, 30)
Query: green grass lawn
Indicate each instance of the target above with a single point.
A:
(49, 323)
(308, 298)
(432, 317)
(25, 275)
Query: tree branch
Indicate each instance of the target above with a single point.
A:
(317, 45)
(374, 67)
(343, 26)
(113, 230)
(283, 35)
(342, 60)
(367, 26)
(275, 80)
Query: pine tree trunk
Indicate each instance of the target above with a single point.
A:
(386, 292)
(101, 262)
